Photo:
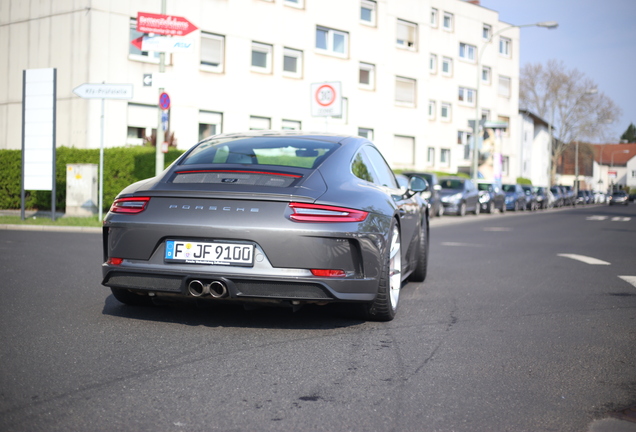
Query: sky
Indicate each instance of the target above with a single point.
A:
(597, 37)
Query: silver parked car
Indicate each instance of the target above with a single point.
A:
(270, 218)
(459, 195)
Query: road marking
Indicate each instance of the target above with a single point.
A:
(620, 219)
(459, 244)
(596, 218)
(629, 279)
(585, 259)
(497, 229)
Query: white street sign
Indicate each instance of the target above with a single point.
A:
(104, 91)
(326, 99)
(167, 44)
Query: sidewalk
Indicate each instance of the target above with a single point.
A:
(42, 214)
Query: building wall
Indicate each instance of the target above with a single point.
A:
(88, 41)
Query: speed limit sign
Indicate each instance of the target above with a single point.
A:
(326, 99)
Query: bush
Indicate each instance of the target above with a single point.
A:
(523, 180)
(122, 166)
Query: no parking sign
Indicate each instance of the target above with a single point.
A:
(326, 99)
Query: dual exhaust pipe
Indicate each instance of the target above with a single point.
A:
(216, 289)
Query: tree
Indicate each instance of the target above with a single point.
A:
(630, 134)
(569, 101)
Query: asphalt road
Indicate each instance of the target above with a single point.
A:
(512, 331)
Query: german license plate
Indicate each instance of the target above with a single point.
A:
(217, 253)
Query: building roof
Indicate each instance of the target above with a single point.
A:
(619, 154)
(535, 117)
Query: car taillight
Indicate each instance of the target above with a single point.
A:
(115, 261)
(323, 213)
(328, 273)
(130, 205)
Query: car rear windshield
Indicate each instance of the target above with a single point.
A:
(483, 186)
(509, 188)
(451, 184)
(280, 151)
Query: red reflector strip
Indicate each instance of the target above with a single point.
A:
(114, 261)
(328, 273)
(130, 205)
(322, 213)
(238, 171)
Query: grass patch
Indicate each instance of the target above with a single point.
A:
(60, 221)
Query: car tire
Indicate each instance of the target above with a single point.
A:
(461, 211)
(421, 267)
(385, 305)
(477, 209)
(516, 208)
(440, 212)
(130, 298)
(491, 207)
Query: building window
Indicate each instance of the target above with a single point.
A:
(504, 86)
(366, 77)
(467, 52)
(448, 21)
(445, 112)
(261, 57)
(486, 32)
(432, 63)
(464, 138)
(434, 17)
(447, 66)
(134, 52)
(486, 74)
(210, 123)
(405, 91)
(444, 157)
(141, 121)
(506, 120)
(505, 165)
(291, 125)
(212, 52)
(295, 3)
(505, 46)
(366, 133)
(430, 156)
(292, 63)
(466, 96)
(368, 12)
(260, 123)
(406, 35)
(485, 114)
(403, 150)
(331, 41)
(432, 110)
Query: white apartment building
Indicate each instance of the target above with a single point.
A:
(408, 71)
(535, 149)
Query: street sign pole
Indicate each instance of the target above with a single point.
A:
(159, 159)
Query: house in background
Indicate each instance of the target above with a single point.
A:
(614, 166)
(534, 149)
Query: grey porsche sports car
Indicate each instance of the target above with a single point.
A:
(281, 218)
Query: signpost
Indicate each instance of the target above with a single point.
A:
(103, 91)
(326, 99)
(169, 25)
(163, 44)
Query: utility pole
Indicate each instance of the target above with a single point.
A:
(159, 159)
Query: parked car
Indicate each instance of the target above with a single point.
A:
(459, 195)
(545, 199)
(491, 197)
(269, 218)
(559, 196)
(432, 194)
(619, 197)
(531, 198)
(569, 198)
(582, 198)
(515, 197)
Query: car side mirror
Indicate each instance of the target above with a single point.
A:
(418, 184)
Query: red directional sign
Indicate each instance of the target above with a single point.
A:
(164, 24)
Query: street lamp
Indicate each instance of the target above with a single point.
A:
(475, 161)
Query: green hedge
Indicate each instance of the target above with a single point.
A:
(122, 166)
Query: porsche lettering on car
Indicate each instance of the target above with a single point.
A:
(282, 218)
